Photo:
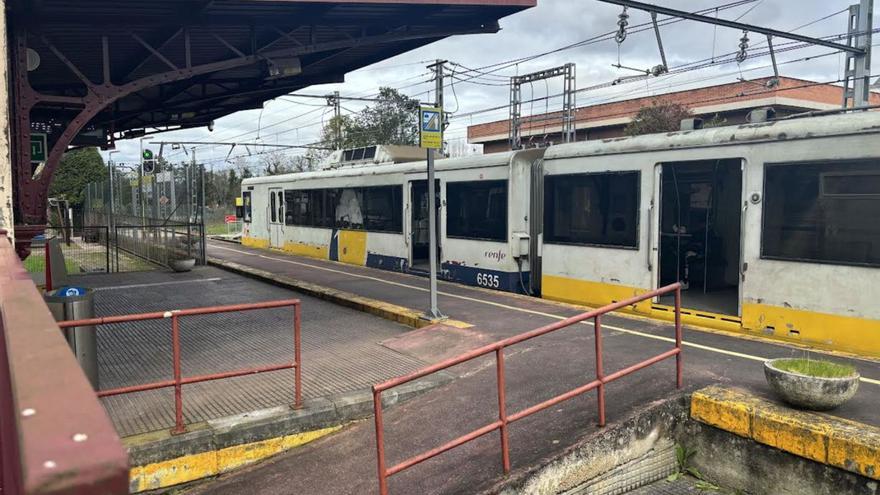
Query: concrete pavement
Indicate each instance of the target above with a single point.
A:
(536, 370)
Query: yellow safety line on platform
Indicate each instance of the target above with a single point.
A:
(521, 310)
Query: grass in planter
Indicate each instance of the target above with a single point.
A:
(810, 367)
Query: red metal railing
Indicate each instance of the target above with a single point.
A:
(178, 381)
(55, 437)
(503, 418)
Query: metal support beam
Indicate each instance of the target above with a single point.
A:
(857, 71)
(647, 7)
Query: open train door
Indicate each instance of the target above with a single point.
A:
(653, 254)
(276, 217)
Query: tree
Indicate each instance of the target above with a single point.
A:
(77, 169)
(392, 120)
(659, 117)
(274, 163)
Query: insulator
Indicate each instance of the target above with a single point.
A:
(658, 70)
(743, 46)
(622, 23)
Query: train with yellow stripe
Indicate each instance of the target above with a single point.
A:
(773, 227)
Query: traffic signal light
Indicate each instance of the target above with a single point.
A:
(148, 162)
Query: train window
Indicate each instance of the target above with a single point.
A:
(383, 208)
(592, 209)
(248, 209)
(477, 210)
(823, 212)
(273, 212)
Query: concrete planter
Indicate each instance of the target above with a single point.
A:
(183, 265)
(810, 392)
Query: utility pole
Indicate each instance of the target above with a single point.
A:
(434, 312)
(333, 101)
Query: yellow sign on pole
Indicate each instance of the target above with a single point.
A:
(431, 125)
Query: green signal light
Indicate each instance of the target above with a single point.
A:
(148, 155)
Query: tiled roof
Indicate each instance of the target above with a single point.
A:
(738, 94)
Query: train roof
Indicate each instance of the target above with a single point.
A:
(466, 162)
(771, 131)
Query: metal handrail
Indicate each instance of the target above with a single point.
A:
(504, 419)
(179, 381)
(55, 436)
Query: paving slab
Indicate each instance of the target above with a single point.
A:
(342, 349)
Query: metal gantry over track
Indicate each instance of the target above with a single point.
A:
(569, 105)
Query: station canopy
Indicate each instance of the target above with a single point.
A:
(147, 65)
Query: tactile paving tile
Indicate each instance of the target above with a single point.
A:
(341, 350)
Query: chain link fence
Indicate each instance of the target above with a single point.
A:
(149, 220)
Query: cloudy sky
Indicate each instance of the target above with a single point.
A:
(549, 26)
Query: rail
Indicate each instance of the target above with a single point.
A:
(179, 381)
(504, 419)
(55, 437)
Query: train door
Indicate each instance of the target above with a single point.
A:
(698, 233)
(276, 217)
(419, 232)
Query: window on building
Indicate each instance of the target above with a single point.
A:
(477, 210)
(592, 209)
(823, 212)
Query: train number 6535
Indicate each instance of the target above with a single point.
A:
(487, 280)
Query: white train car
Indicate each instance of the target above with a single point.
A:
(376, 216)
(773, 227)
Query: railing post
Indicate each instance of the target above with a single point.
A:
(502, 410)
(380, 442)
(600, 373)
(178, 386)
(297, 356)
(678, 371)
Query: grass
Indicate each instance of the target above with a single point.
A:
(216, 229)
(811, 367)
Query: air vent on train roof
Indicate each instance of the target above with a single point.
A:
(373, 155)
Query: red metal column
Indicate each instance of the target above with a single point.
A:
(297, 357)
(600, 373)
(678, 364)
(380, 442)
(179, 427)
(502, 410)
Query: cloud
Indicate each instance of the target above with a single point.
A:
(552, 24)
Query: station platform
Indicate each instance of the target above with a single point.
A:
(536, 370)
(341, 347)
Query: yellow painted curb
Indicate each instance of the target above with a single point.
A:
(834, 441)
(382, 309)
(211, 463)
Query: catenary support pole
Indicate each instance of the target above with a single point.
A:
(434, 312)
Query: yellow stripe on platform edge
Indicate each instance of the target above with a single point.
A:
(212, 463)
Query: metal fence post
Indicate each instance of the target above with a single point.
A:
(297, 356)
(107, 246)
(678, 363)
(178, 386)
(502, 410)
(380, 442)
(600, 373)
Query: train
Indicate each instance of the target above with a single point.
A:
(771, 226)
